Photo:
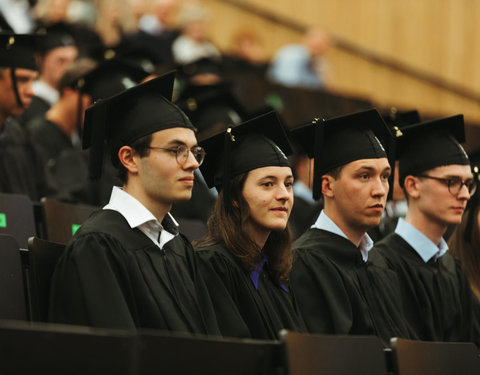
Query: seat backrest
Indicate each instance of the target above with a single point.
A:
(17, 217)
(12, 292)
(429, 358)
(184, 355)
(39, 265)
(309, 354)
(61, 219)
(33, 348)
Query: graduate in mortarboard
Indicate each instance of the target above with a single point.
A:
(246, 257)
(436, 176)
(337, 290)
(56, 50)
(396, 205)
(19, 172)
(128, 266)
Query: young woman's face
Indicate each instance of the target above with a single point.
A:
(269, 195)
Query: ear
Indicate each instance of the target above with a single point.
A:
(411, 184)
(127, 157)
(328, 186)
(234, 203)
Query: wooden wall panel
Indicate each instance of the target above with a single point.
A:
(438, 37)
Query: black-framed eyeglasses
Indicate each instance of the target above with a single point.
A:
(454, 184)
(181, 153)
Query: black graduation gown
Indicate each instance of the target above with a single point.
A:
(339, 293)
(438, 300)
(66, 166)
(241, 309)
(114, 277)
(20, 170)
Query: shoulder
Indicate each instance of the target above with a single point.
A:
(111, 224)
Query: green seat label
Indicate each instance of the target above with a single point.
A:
(3, 220)
(75, 228)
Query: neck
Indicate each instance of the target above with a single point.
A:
(158, 208)
(65, 118)
(258, 235)
(354, 234)
(433, 230)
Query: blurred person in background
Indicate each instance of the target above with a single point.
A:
(193, 43)
(303, 64)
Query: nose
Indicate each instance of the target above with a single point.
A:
(463, 193)
(283, 194)
(380, 187)
(191, 163)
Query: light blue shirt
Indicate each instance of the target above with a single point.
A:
(325, 223)
(303, 191)
(424, 247)
(138, 216)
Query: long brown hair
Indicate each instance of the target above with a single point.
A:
(468, 250)
(228, 225)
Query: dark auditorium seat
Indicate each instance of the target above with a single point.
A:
(309, 354)
(55, 349)
(61, 349)
(61, 220)
(38, 265)
(12, 295)
(434, 358)
(17, 217)
(182, 355)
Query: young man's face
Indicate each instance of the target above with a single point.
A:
(8, 101)
(360, 193)
(55, 62)
(436, 202)
(162, 178)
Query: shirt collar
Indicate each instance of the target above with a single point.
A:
(325, 223)
(46, 92)
(255, 274)
(424, 247)
(136, 213)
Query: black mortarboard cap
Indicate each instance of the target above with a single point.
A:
(401, 118)
(431, 144)
(56, 35)
(340, 140)
(130, 115)
(205, 65)
(18, 50)
(257, 143)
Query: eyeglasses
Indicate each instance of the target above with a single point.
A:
(454, 184)
(181, 152)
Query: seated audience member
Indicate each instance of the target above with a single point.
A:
(464, 244)
(302, 64)
(193, 44)
(20, 171)
(337, 288)
(57, 50)
(436, 177)
(56, 137)
(396, 206)
(246, 257)
(127, 266)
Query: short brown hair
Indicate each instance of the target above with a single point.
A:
(140, 147)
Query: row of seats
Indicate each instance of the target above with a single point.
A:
(58, 349)
(57, 221)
